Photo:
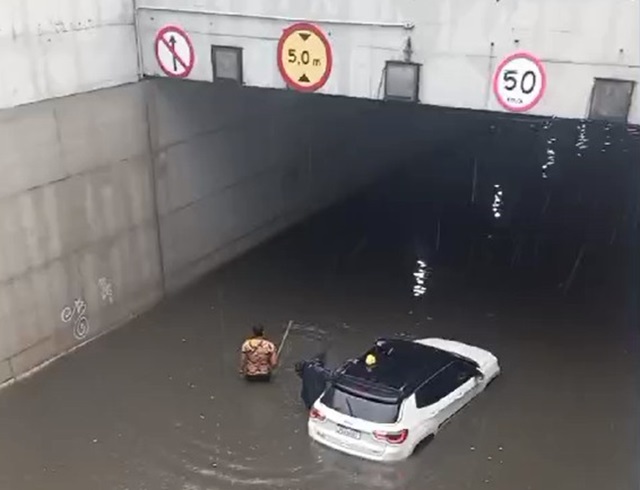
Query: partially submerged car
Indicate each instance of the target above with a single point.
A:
(400, 393)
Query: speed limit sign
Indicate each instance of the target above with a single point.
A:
(519, 82)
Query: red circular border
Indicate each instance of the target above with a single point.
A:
(183, 33)
(305, 26)
(496, 81)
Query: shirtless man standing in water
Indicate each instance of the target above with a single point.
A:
(258, 356)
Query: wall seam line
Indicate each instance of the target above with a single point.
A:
(147, 88)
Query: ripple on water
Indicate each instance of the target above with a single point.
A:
(203, 465)
(310, 331)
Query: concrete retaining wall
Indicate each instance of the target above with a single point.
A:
(80, 250)
(78, 242)
(234, 167)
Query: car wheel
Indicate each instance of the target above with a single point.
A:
(423, 443)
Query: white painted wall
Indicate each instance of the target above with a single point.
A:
(52, 48)
(459, 43)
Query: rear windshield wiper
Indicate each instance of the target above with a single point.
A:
(349, 407)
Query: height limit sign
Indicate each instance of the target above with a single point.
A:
(519, 82)
(174, 52)
(304, 57)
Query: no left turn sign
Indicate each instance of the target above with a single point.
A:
(519, 82)
(174, 52)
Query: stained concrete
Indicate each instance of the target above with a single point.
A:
(76, 222)
(101, 190)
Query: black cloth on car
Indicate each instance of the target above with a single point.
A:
(315, 376)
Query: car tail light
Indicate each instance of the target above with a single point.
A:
(392, 437)
(316, 414)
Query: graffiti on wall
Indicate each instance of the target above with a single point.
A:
(106, 290)
(76, 316)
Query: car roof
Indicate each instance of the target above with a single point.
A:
(401, 367)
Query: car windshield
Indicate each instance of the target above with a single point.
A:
(360, 408)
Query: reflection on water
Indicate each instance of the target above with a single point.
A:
(364, 474)
(498, 201)
(551, 158)
(422, 276)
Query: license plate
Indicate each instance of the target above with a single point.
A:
(346, 431)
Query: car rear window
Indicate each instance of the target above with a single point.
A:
(360, 408)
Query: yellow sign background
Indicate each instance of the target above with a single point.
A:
(305, 59)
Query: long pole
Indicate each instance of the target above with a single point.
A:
(284, 337)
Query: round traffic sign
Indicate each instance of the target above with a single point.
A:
(304, 57)
(519, 82)
(174, 52)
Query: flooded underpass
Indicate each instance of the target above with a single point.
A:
(526, 252)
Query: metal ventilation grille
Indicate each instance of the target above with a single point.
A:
(402, 81)
(611, 99)
(227, 63)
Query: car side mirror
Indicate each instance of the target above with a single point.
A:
(479, 376)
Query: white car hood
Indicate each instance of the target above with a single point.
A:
(483, 358)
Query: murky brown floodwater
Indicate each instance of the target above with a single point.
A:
(159, 405)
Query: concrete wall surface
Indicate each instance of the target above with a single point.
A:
(235, 166)
(53, 48)
(80, 249)
(78, 242)
(459, 43)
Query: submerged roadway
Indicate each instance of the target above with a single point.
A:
(159, 404)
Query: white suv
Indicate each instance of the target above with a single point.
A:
(383, 411)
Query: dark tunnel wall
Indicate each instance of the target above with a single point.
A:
(570, 197)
